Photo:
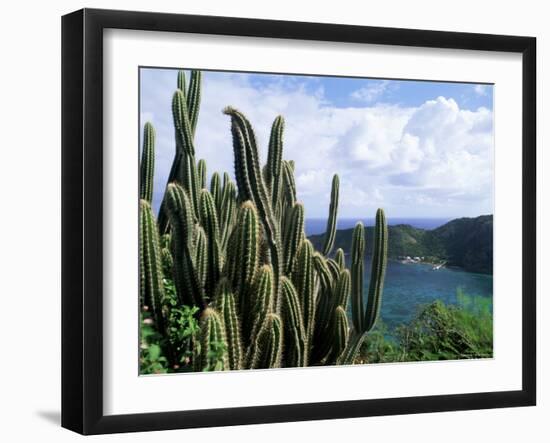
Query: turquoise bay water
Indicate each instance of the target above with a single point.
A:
(408, 286)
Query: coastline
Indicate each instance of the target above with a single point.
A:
(464, 243)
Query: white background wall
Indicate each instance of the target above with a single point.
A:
(30, 219)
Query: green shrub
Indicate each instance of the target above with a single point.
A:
(151, 358)
(438, 332)
(172, 351)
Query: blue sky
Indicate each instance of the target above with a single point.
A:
(416, 148)
(339, 91)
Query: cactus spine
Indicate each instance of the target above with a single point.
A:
(147, 167)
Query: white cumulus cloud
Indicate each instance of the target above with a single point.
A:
(434, 159)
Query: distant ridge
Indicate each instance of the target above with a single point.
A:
(463, 242)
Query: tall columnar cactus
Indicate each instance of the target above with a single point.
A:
(181, 83)
(326, 326)
(378, 270)
(323, 272)
(293, 234)
(166, 255)
(340, 258)
(289, 184)
(342, 289)
(209, 221)
(216, 191)
(260, 304)
(226, 306)
(295, 330)
(303, 278)
(357, 272)
(364, 320)
(147, 167)
(201, 172)
(268, 345)
(324, 306)
(150, 264)
(339, 334)
(243, 253)
(187, 170)
(200, 256)
(194, 98)
(274, 159)
(252, 187)
(330, 233)
(228, 212)
(213, 354)
(186, 279)
(266, 298)
(183, 170)
(288, 193)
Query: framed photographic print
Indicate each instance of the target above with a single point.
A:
(270, 221)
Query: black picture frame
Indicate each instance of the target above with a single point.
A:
(82, 218)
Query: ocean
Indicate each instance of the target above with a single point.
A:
(318, 225)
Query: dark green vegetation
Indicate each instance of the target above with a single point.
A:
(438, 332)
(228, 279)
(464, 242)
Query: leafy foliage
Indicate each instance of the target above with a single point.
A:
(438, 332)
(172, 351)
(151, 359)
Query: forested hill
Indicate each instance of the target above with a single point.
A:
(463, 242)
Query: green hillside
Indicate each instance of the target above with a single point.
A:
(463, 242)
